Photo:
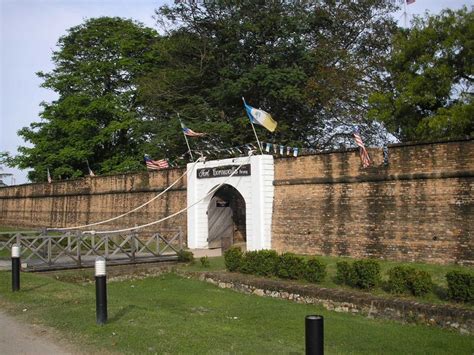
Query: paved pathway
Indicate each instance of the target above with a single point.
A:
(206, 252)
(19, 338)
(5, 264)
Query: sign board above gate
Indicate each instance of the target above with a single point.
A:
(223, 171)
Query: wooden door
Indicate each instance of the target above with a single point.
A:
(221, 225)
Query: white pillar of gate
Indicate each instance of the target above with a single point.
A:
(256, 189)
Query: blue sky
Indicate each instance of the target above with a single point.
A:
(29, 30)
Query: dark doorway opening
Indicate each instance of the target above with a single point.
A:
(226, 219)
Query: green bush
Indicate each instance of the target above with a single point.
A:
(266, 262)
(460, 286)
(343, 273)
(406, 279)
(365, 274)
(249, 263)
(291, 266)
(315, 270)
(205, 261)
(185, 256)
(397, 279)
(233, 259)
(419, 283)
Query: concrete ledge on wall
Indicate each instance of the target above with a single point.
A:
(377, 177)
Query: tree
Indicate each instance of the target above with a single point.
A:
(429, 87)
(96, 116)
(312, 65)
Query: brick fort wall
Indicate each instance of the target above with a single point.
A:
(89, 200)
(417, 207)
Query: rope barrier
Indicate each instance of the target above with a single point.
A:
(131, 211)
(174, 214)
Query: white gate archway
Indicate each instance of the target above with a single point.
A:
(255, 184)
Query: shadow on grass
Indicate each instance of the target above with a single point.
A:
(121, 313)
(32, 288)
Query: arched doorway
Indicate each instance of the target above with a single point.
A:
(226, 215)
(254, 184)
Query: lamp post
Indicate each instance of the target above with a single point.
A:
(314, 329)
(16, 267)
(100, 291)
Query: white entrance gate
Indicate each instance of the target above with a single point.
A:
(255, 184)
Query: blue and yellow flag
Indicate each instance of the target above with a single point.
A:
(260, 117)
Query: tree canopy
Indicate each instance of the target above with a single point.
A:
(429, 88)
(317, 67)
(96, 116)
(310, 64)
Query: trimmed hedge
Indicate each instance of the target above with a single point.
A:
(364, 274)
(291, 266)
(420, 283)
(315, 270)
(406, 279)
(460, 286)
(233, 259)
(268, 263)
(343, 273)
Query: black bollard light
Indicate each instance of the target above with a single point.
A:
(15, 268)
(100, 291)
(314, 329)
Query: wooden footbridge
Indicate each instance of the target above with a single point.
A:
(50, 250)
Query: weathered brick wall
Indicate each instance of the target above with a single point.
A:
(418, 207)
(89, 200)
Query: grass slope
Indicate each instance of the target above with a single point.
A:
(171, 314)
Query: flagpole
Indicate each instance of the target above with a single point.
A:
(254, 131)
(88, 167)
(186, 138)
(405, 12)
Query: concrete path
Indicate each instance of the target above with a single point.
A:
(19, 338)
(206, 252)
(5, 264)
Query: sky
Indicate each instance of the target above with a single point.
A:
(29, 31)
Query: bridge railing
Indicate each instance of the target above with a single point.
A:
(79, 248)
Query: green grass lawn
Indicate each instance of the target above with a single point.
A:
(171, 314)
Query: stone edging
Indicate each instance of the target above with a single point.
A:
(338, 300)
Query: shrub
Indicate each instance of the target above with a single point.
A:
(205, 261)
(419, 283)
(291, 266)
(407, 279)
(460, 286)
(266, 262)
(233, 259)
(365, 274)
(185, 256)
(315, 270)
(248, 265)
(397, 279)
(343, 273)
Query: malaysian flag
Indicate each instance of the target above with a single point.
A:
(364, 156)
(156, 164)
(189, 132)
